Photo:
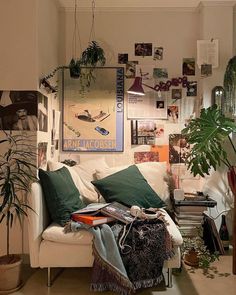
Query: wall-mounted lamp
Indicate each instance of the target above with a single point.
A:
(218, 96)
(137, 87)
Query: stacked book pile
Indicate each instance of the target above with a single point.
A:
(189, 219)
(189, 214)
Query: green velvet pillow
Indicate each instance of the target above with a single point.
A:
(61, 195)
(128, 187)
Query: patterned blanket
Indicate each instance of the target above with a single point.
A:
(128, 257)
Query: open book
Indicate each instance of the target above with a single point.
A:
(114, 210)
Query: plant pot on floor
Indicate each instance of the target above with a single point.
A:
(10, 273)
(191, 258)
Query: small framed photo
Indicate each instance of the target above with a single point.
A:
(143, 49)
(158, 53)
(123, 58)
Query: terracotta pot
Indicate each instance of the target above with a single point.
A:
(191, 258)
(10, 273)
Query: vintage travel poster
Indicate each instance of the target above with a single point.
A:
(93, 117)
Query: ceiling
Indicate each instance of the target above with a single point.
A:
(135, 3)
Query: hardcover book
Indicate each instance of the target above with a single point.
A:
(91, 220)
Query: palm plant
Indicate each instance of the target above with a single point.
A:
(17, 171)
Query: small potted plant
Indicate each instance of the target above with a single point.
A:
(17, 171)
(196, 254)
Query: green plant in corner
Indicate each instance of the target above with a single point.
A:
(195, 253)
(208, 134)
(17, 171)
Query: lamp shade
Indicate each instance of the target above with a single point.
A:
(136, 88)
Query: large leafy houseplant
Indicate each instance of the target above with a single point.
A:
(209, 134)
(17, 171)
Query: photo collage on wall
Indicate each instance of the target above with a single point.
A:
(157, 118)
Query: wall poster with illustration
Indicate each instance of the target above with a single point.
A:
(93, 118)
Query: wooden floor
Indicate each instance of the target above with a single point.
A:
(75, 281)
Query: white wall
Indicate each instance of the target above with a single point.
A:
(29, 32)
(18, 45)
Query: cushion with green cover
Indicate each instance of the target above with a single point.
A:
(61, 195)
(128, 187)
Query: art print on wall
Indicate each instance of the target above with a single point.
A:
(179, 148)
(141, 157)
(188, 66)
(18, 110)
(158, 53)
(143, 132)
(94, 121)
(153, 105)
(143, 49)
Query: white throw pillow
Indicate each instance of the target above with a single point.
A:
(86, 171)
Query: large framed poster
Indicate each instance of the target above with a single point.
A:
(93, 117)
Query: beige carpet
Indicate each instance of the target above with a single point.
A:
(75, 281)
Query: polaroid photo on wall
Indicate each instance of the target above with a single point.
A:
(206, 70)
(173, 113)
(159, 73)
(131, 69)
(188, 67)
(143, 49)
(176, 93)
(123, 58)
(192, 88)
(158, 53)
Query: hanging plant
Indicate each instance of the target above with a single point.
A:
(93, 55)
(75, 69)
(230, 87)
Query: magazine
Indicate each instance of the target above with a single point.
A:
(114, 209)
(119, 212)
(91, 209)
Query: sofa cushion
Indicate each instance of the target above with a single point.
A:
(55, 233)
(87, 172)
(128, 187)
(62, 196)
(153, 172)
(82, 175)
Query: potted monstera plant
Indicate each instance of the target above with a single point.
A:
(210, 135)
(17, 171)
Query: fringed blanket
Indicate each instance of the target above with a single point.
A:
(127, 258)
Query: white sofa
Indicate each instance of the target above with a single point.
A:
(50, 247)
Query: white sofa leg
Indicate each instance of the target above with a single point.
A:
(49, 283)
(169, 278)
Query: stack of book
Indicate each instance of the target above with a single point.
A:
(189, 214)
(189, 219)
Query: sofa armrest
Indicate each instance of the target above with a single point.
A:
(173, 230)
(38, 220)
